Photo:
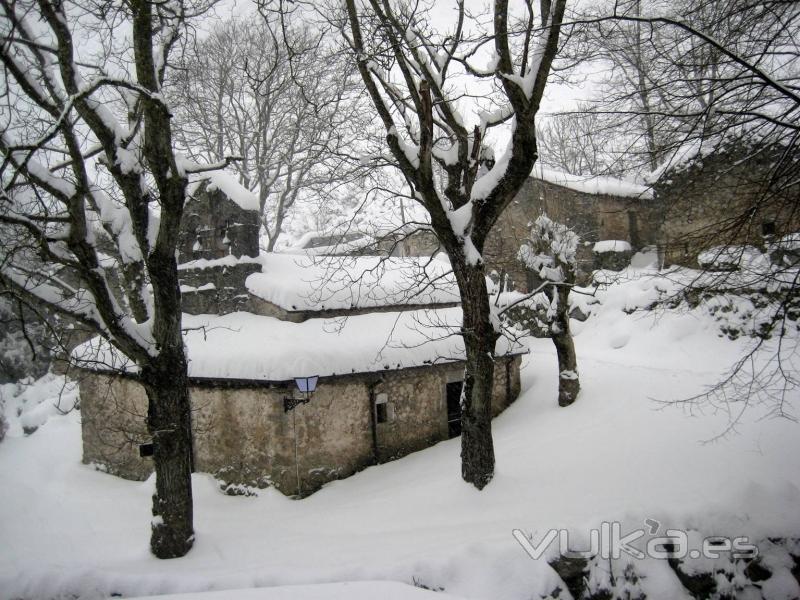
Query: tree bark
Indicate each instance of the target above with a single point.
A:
(568, 382)
(169, 423)
(480, 337)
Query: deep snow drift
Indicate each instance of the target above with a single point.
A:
(617, 454)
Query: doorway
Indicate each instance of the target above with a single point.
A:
(453, 395)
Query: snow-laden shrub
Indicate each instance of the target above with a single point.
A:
(29, 403)
(553, 247)
(25, 343)
(731, 258)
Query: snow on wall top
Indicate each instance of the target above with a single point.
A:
(298, 282)
(210, 263)
(252, 347)
(611, 246)
(592, 185)
(228, 184)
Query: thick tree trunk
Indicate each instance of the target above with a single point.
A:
(568, 382)
(169, 423)
(477, 448)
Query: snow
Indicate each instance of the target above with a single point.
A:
(611, 246)
(320, 243)
(189, 289)
(228, 183)
(297, 282)
(353, 590)
(68, 529)
(790, 241)
(225, 261)
(595, 185)
(26, 407)
(268, 349)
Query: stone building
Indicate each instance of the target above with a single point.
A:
(725, 198)
(220, 218)
(597, 208)
(375, 332)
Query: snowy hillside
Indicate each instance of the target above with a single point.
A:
(619, 454)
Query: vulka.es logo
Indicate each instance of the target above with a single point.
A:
(608, 542)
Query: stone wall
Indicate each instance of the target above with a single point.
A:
(113, 417)
(217, 290)
(213, 226)
(723, 199)
(594, 217)
(243, 436)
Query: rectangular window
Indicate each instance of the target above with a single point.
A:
(146, 450)
(384, 410)
(768, 228)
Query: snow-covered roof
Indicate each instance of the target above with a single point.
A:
(228, 184)
(319, 243)
(592, 184)
(297, 282)
(244, 346)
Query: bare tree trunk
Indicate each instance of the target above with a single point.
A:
(477, 448)
(169, 423)
(568, 382)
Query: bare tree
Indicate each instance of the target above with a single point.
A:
(272, 95)
(92, 199)
(585, 142)
(703, 72)
(414, 77)
(722, 79)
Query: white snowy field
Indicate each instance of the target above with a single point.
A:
(617, 454)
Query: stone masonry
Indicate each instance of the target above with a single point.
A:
(243, 436)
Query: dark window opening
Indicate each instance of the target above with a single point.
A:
(453, 393)
(768, 228)
(146, 450)
(384, 411)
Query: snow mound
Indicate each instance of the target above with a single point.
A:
(28, 404)
(729, 258)
(619, 339)
(611, 246)
(788, 242)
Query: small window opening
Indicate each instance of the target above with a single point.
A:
(146, 450)
(384, 410)
(768, 228)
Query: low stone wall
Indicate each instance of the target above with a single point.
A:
(243, 436)
(218, 290)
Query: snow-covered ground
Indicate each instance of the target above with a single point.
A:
(616, 455)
